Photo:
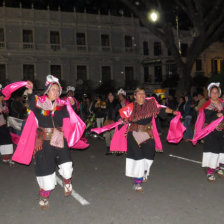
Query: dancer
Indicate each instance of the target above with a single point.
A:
(122, 97)
(6, 146)
(56, 128)
(210, 125)
(140, 137)
(70, 91)
(143, 140)
(112, 115)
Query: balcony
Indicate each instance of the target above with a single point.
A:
(82, 48)
(55, 47)
(28, 46)
(105, 48)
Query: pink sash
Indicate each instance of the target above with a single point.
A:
(176, 129)
(201, 132)
(119, 140)
(9, 89)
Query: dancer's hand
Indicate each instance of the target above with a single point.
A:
(219, 114)
(170, 111)
(29, 87)
(175, 113)
(71, 101)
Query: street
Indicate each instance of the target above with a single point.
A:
(177, 191)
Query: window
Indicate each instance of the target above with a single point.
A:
(2, 38)
(222, 66)
(147, 77)
(106, 74)
(27, 39)
(198, 65)
(105, 40)
(145, 48)
(129, 74)
(27, 36)
(171, 69)
(157, 49)
(214, 65)
(55, 40)
(158, 73)
(2, 73)
(184, 48)
(56, 71)
(80, 39)
(128, 43)
(81, 72)
(217, 66)
(169, 52)
(28, 72)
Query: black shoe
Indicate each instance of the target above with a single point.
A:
(119, 154)
(108, 153)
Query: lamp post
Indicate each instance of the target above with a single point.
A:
(178, 34)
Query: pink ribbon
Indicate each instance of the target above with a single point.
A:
(176, 129)
(119, 140)
(9, 89)
(106, 127)
(201, 132)
(75, 127)
(158, 144)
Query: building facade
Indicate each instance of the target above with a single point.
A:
(79, 47)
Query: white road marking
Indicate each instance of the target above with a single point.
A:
(190, 160)
(74, 194)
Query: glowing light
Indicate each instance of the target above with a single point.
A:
(153, 16)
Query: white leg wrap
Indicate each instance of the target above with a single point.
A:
(148, 164)
(48, 182)
(6, 149)
(65, 170)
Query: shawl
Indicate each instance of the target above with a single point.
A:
(126, 112)
(200, 131)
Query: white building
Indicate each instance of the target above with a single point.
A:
(80, 46)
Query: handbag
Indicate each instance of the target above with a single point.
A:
(57, 138)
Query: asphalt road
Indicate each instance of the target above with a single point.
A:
(176, 193)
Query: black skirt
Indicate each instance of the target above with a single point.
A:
(145, 151)
(5, 138)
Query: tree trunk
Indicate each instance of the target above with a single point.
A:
(184, 84)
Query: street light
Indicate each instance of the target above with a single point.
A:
(153, 16)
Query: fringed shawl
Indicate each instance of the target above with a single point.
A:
(146, 110)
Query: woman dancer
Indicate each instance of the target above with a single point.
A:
(6, 146)
(57, 128)
(213, 147)
(140, 137)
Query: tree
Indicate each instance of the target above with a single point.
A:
(205, 19)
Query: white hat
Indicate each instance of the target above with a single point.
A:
(121, 91)
(50, 80)
(70, 88)
(212, 84)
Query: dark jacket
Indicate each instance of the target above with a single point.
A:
(112, 112)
